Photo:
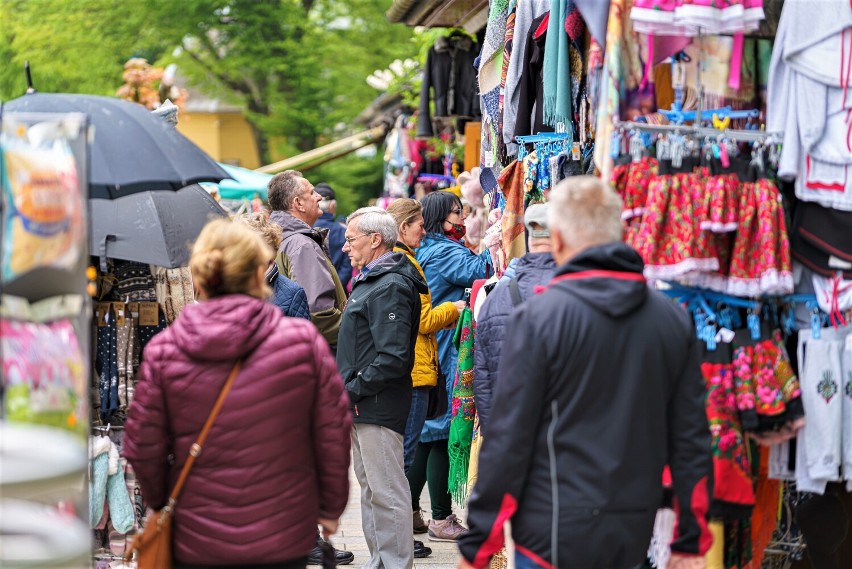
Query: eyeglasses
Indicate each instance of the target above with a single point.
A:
(456, 211)
(351, 240)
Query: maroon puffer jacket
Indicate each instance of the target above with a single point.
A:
(277, 457)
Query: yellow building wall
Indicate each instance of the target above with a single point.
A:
(226, 137)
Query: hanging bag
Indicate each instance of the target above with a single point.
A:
(154, 545)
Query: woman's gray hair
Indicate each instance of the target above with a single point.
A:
(375, 220)
(586, 212)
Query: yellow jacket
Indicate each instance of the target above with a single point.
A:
(432, 319)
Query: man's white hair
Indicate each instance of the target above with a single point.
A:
(375, 220)
(586, 212)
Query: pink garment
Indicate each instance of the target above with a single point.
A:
(278, 454)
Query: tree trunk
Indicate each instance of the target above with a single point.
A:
(262, 143)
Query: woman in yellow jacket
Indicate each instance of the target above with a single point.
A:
(408, 214)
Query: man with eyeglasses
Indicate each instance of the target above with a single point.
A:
(375, 356)
(302, 256)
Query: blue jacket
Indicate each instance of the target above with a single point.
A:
(290, 298)
(336, 238)
(532, 269)
(450, 268)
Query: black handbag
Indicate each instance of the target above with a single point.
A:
(438, 400)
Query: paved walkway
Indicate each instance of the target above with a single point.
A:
(350, 536)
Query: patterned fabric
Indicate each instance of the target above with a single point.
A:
(631, 181)
(106, 363)
(761, 261)
(764, 382)
(669, 241)
(127, 355)
(732, 477)
(706, 230)
(134, 282)
(174, 290)
(511, 224)
(464, 409)
(622, 72)
(490, 79)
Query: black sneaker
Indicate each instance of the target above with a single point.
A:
(420, 550)
(342, 557)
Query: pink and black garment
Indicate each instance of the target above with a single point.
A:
(766, 387)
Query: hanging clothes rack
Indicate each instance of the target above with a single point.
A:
(702, 132)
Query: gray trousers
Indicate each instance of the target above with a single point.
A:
(385, 497)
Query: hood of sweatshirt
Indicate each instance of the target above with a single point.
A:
(607, 277)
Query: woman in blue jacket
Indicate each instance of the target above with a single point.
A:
(450, 268)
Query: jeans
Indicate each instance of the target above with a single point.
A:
(414, 424)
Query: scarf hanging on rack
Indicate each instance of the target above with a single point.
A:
(511, 224)
(557, 68)
(464, 410)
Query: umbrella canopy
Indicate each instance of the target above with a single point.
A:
(132, 150)
(151, 227)
(244, 184)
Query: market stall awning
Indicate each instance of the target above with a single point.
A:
(243, 183)
(471, 15)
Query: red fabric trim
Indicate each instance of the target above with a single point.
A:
(811, 237)
(820, 185)
(619, 275)
(700, 507)
(542, 27)
(533, 556)
(495, 539)
(843, 63)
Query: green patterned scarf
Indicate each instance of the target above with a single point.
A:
(464, 410)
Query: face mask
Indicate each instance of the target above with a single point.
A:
(457, 232)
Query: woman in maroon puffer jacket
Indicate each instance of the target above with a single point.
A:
(277, 458)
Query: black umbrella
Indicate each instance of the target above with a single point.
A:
(151, 227)
(132, 149)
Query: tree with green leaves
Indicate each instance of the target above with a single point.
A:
(298, 67)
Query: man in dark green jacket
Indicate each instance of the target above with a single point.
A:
(375, 354)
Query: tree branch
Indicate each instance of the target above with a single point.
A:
(238, 86)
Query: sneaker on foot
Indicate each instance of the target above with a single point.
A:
(420, 525)
(420, 550)
(446, 530)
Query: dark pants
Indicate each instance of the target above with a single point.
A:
(431, 464)
(414, 424)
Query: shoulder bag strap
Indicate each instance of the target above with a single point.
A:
(515, 291)
(195, 450)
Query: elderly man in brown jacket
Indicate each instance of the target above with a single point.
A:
(303, 255)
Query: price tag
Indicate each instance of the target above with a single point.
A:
(102, 313)
(120, 310)
(575, 152)
(678, 75)
(133, 309)
(148, 314)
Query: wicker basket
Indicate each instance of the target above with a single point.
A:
(500, 560)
